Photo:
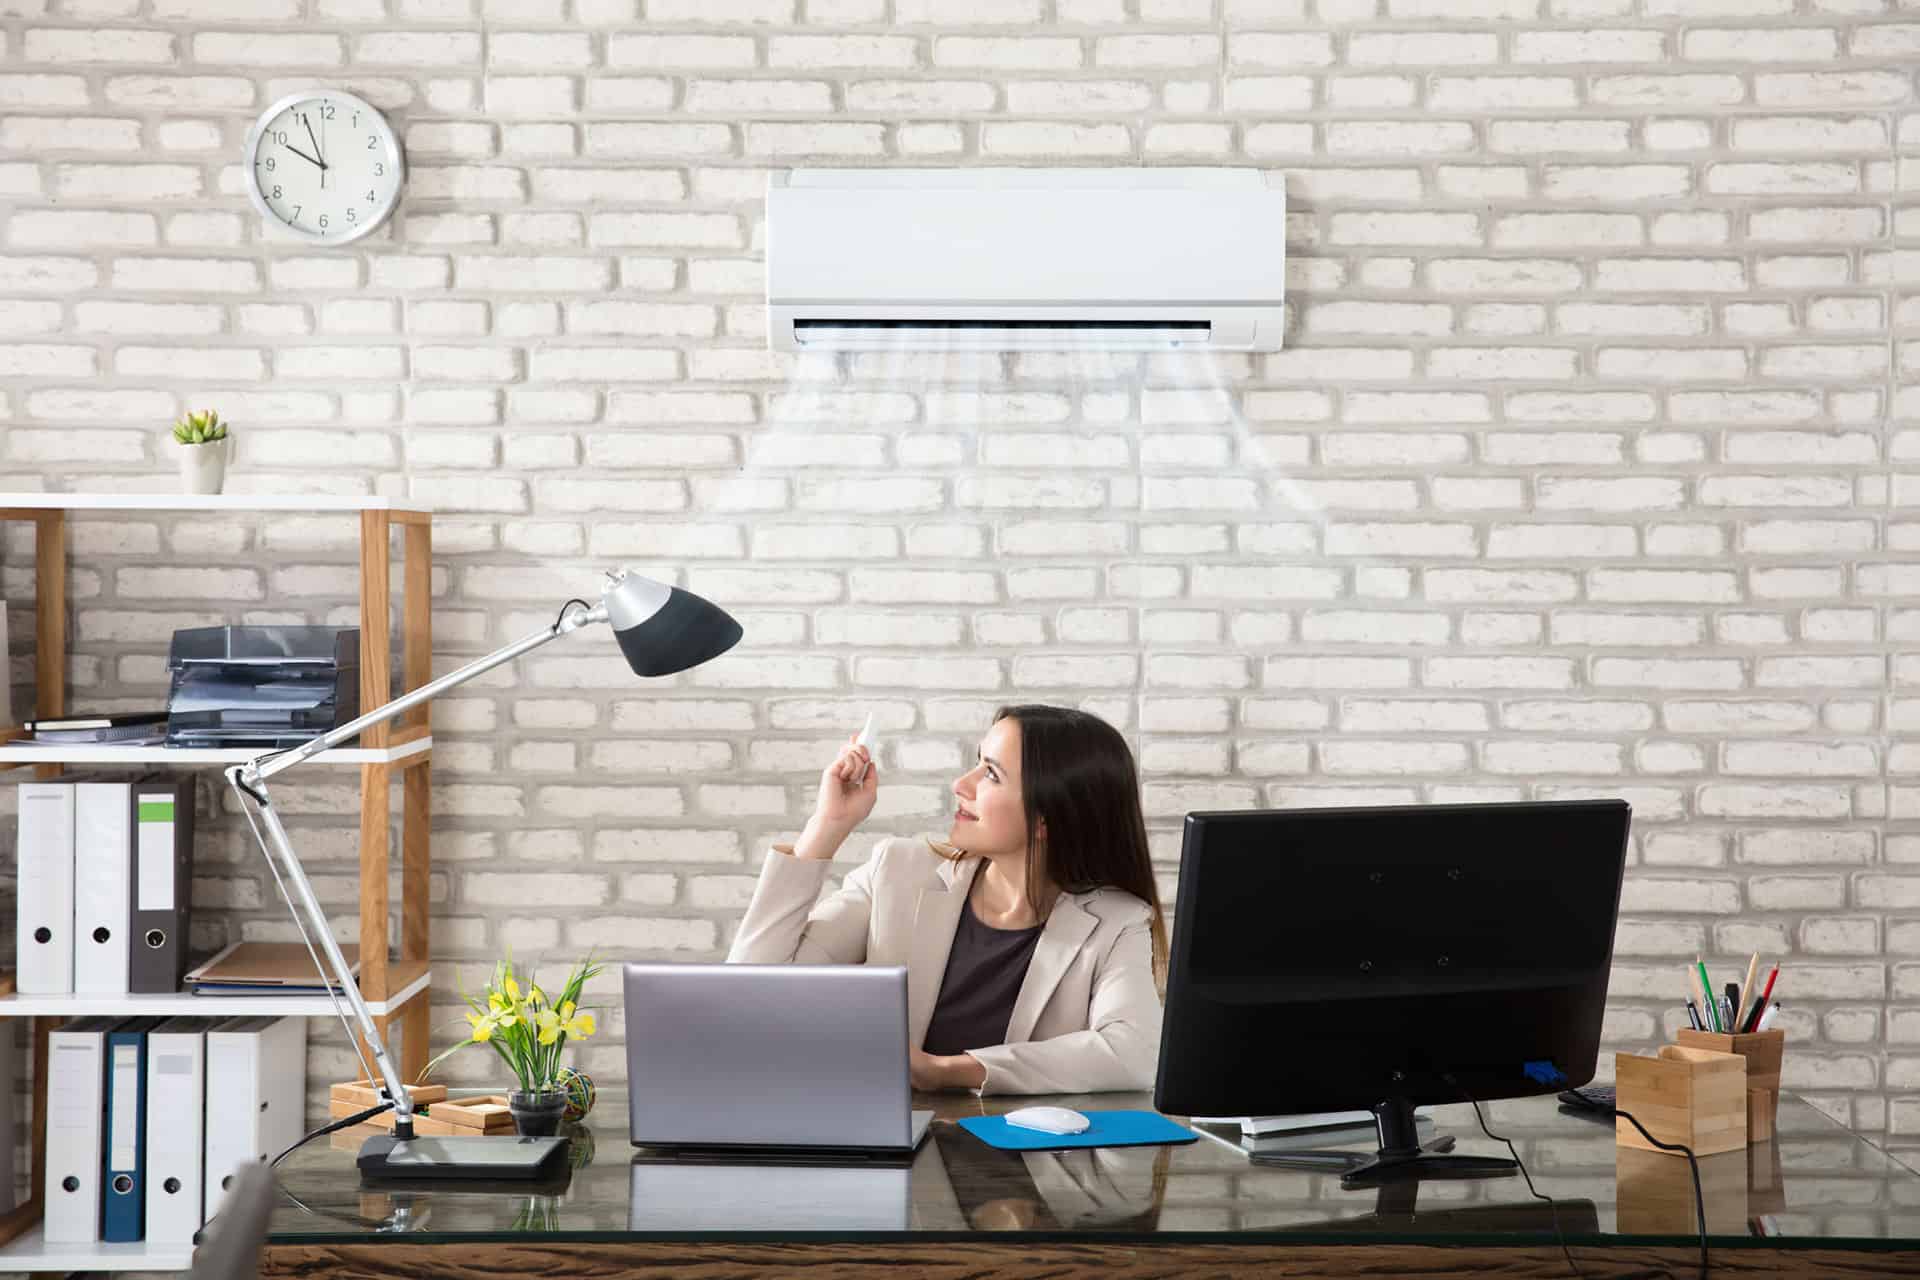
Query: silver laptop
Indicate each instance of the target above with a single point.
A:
(788, 1060)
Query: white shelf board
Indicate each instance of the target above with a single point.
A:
(31, 1252)
(186, 1004)
(206, 502)
(10, 753)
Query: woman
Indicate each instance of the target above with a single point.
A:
(1033, 938)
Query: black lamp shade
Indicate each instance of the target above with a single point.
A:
(682, 633)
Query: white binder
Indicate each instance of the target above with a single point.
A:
(176, 1127)
(44, 937)
(102, 863)
(76, 1112)
(257, 1087)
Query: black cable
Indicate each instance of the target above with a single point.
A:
(1693, 1166)
(563, 611)
(326, 1129)
(1553, 1207)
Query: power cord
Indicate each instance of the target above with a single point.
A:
(325, 1129)
(1693, 1165)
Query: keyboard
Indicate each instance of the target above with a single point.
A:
(1594, 1097)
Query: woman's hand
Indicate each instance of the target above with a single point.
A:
(930, 1073)
(842, 804)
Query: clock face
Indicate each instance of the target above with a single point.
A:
(324, 165)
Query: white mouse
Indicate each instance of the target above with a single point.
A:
(1049, 1120)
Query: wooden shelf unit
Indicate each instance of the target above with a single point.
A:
(396, 988)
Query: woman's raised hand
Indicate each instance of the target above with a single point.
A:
(842, 803)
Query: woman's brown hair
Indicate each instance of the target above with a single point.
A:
(1077, 775)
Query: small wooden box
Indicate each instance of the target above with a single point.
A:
(1694, 1097)
(435, 1116)
(488, 1114)
(1654, 1196)
(357, 1095)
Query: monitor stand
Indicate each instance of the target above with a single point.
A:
(1401, 1155)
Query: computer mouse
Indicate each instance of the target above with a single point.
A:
(1049, 1120)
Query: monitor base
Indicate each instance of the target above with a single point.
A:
(1402, 1156)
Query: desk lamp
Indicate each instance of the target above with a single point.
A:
(660, 630)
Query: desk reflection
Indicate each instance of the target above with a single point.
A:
(954, 1182)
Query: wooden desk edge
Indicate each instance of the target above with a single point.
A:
(1145, 1260)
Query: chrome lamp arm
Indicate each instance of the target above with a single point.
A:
(249, 782)
(661, 630)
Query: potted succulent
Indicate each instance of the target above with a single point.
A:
(204, 449)
(529, 1030)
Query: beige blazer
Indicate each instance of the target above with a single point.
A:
(1087, 1019)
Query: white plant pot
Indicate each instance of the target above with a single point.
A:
(203, 467)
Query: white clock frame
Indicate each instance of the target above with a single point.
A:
(389, 148)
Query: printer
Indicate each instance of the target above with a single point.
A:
(260, 686)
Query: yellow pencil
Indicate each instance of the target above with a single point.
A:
(1746, 994)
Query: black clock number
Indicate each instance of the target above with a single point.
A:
(371, 197)
(379, 169)
(323, 222)
(351, 216)
(276, 191)
(269, 164)
(296, 212)
(326, 111)
(372, 138)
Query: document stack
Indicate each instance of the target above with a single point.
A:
(149, 1119)
(261, 686)
(105, 898)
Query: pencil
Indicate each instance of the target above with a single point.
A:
(1746, 994)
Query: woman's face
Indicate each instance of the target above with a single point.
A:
(991, 818)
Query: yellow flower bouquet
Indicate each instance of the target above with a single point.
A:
(529, 1030)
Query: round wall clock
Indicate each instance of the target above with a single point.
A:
(325, 165)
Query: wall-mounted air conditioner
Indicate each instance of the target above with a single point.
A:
(1111, 259)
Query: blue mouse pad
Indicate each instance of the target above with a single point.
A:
(1105, 1129)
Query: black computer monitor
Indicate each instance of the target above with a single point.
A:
(1386, 958)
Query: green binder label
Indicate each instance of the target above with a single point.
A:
(156, 811)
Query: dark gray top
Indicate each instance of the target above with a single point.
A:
(984, 973)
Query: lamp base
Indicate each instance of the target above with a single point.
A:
(384, 1157)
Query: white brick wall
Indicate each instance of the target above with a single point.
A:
(1583, 472)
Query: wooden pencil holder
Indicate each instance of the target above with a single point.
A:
(1694, 1097)
(1763, 1051)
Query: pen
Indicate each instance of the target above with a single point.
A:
(1700, 997)
(1766, 1019)
(1706, 996)
(1726, 1012)
(1760, 1004)
(1733, 1007)
(1693, 1015)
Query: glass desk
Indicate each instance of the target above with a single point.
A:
(1817, 1200)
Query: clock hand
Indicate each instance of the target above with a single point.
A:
(303, 155)
(322, 162)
